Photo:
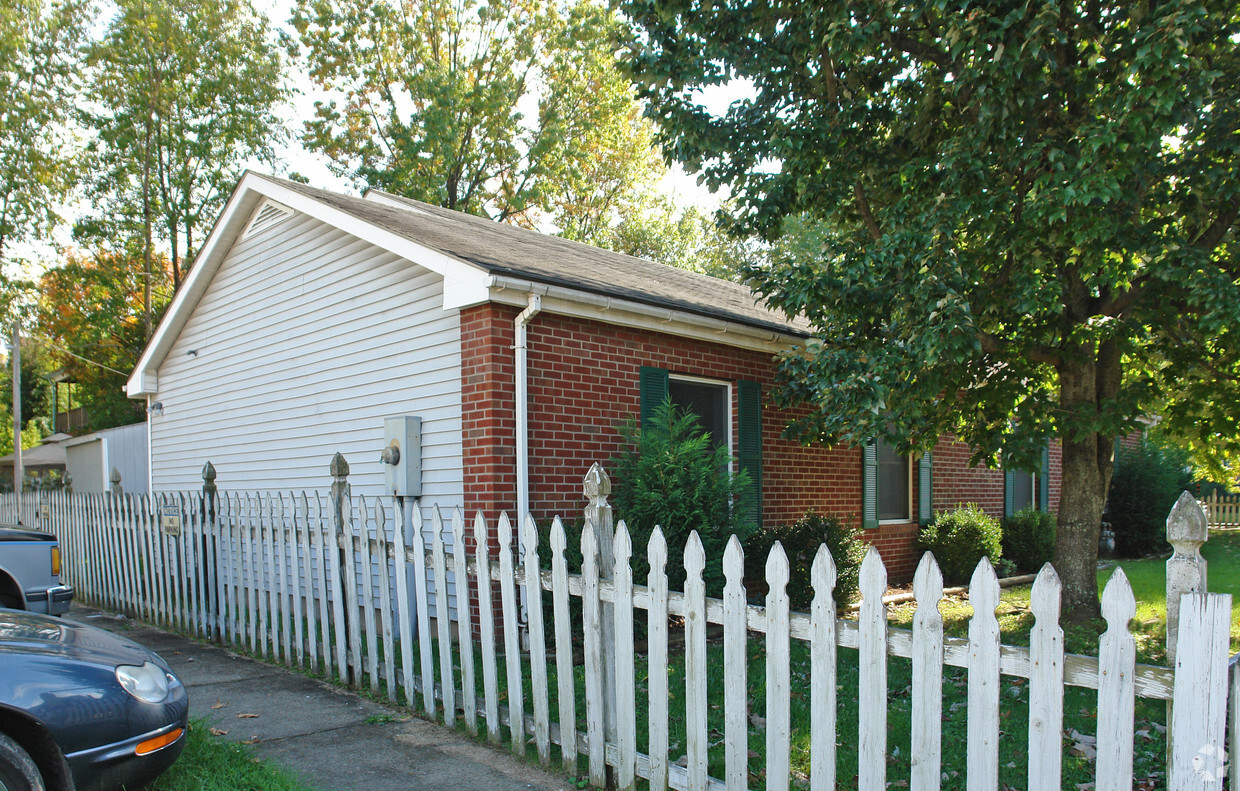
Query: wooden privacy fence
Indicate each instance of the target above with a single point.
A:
(1222, 510)
(344, 586)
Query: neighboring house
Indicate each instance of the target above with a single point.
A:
(310, 316)
(46, 457)
(92, 458)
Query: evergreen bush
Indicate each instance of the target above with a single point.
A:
(800, 541)
(1145, 483)
(961, 538)
(670, 474)
(1029, 539)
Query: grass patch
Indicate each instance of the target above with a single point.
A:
(210, 763)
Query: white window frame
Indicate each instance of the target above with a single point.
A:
(727, 399)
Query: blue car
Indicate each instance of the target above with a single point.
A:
(82, 708)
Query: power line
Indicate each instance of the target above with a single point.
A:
(74, 355)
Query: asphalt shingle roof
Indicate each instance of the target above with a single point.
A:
(502, 249)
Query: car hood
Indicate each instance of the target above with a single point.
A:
(31, 633)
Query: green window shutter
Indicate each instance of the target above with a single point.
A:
(869, 485)
(925, 489)
(749, 443)
(653, 385)
(1044, 480)
(1009, 492)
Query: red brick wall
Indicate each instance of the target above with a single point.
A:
(583, 384)
(956, 483)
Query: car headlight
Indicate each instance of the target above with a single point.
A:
(147, 683)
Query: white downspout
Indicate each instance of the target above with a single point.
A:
(523, 427)
(523, 411)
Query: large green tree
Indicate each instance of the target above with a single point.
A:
(40, 60)
(184, 95)
(512, 109)
(1013, 221)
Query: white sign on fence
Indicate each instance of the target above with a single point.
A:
(170, 519)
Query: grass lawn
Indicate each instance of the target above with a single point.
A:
(210, 763)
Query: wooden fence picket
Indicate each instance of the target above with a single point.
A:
(539, 701)
(512, 642)
(1117, 657)
(656, 553)
(303, 615)
(872, 677)
(385, 601)
(464, 633)
(983, 705)
(424, 619)
(282, 584)
(822, 672)
(696, 701)
(593, 649)
(625, 703)
(443, 620)
(565, 690)
(778, 678)
(486, 628)
(404, 613)
(1046, 684)
(366, 594)
(735, 671)
(1199, 719)
(927, 676)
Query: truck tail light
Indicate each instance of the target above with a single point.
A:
(55, 561)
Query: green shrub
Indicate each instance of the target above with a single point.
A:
(670, 475)
(1029, 539)
(961, 538)
(1144, 485)
(800, 541)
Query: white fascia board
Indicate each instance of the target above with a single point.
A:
(465, 282)
(636, 315)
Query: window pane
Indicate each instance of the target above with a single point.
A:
(893, 494)
(707, 402)
(1022, 490)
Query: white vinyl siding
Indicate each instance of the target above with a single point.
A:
(306, 338)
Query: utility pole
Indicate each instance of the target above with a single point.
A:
(15, 352)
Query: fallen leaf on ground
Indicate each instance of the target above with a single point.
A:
(247, 716)
(251, 740)
(218, 706)
(217, 732)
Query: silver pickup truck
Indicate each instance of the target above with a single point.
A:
(30, 572)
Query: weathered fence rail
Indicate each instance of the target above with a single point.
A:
(346, 586)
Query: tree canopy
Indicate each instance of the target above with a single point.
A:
(39, 73)
(1008, 222)
(512, 110)
(184, 95)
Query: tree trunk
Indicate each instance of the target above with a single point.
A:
(1086, 476)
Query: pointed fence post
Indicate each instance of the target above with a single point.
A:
(597, 488)
(339, 469)
(1186, 569)
(208, 491)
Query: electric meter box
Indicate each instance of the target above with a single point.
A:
(402, 456)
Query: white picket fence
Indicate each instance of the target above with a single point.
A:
(349, 595)
(1222, 510)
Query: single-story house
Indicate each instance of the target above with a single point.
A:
(310, 317)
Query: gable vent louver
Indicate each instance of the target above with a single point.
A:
(269, 214)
